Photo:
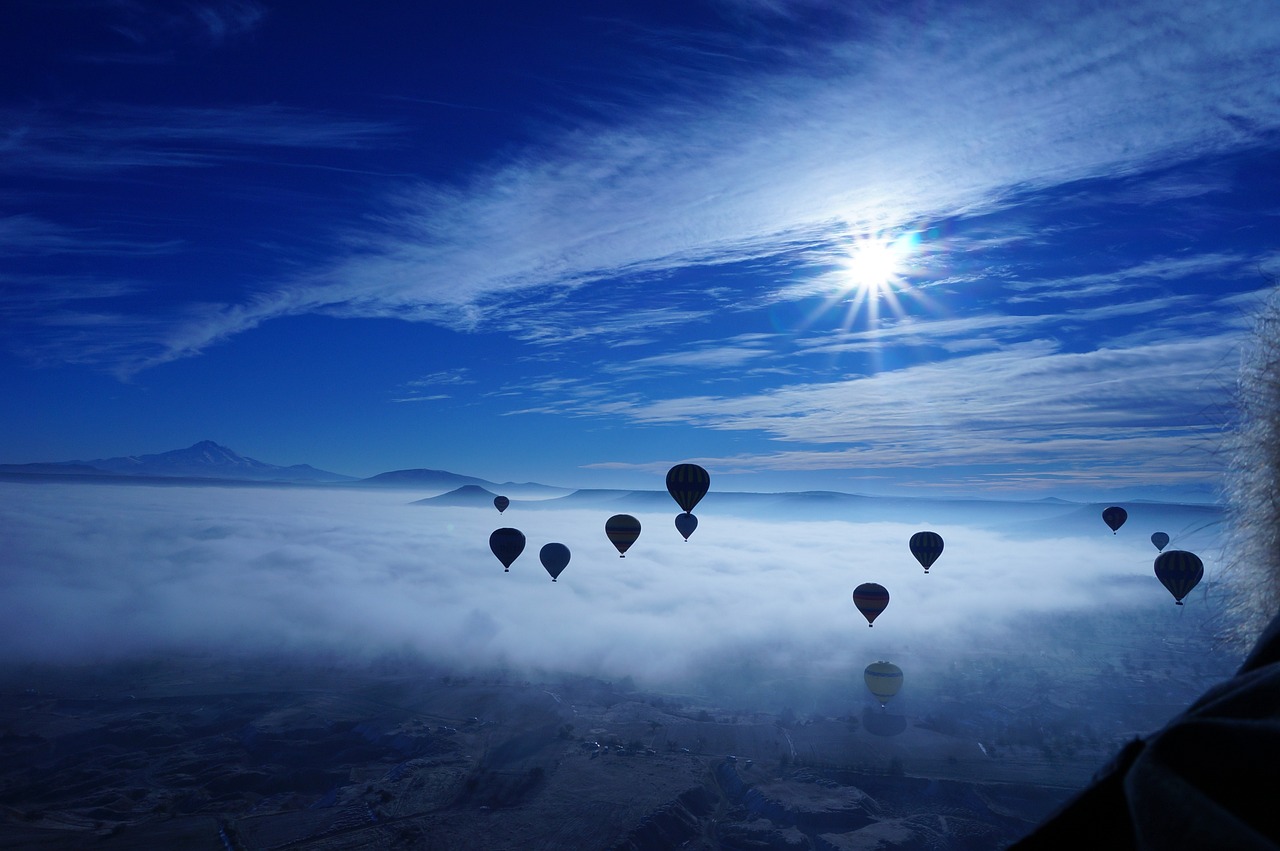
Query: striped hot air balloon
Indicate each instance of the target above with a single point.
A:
(507, 544)
(1114, 517)
(687, 484)
(926, 547)
(871, 599)
(883, 679)
(622, 530)
(1179, 571)
(555, 558)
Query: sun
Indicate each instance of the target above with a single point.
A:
(875, 266)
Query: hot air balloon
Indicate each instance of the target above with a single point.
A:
(883, 679)
(1114, 517)
(622, 529)
(687, 484)
(554, 558)
(685, 524)
(501, 503)
(1161, 540)
(1179, 571)
(871, 599)
(926, 547)
(507, 544)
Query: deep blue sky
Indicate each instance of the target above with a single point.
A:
(578, 243)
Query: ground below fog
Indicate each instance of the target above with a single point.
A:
(200, 754)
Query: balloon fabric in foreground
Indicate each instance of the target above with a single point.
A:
(687, 484)
(622, 531)
(871, 599)
(1179, 571)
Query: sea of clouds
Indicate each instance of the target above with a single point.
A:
(108, 572)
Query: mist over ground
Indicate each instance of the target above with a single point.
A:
(750, 611)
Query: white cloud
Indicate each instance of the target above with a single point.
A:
(913, 121)
(102, 571)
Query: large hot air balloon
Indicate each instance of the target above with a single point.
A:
(501, 503)
(926, 547)
(1179, 571)
(871, 599)
(1114, 517)
(685, 524)
(555, 557)
(687, 484)
(883, 679)
(507, 544)
(1161, 540)
(622, 529)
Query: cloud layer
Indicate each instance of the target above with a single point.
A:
(102, 572)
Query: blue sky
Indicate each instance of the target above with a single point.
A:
(925, 248)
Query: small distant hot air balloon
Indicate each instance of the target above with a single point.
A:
(871, 599)
(622, 529)
(1179, 571)
(501, 503)
(687, 484)
(1114, 517)
(926, 547)
(686, 524)
(1161, 540)
(507, 544)
(555, 557)
(883, 679)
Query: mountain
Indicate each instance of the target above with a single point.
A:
(444, 481)
(204, 460)
(472, 496)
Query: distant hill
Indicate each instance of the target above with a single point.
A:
(203, 460)
(467, 495)
(444, 481)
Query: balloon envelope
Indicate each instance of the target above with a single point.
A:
(1161, 540)
(507, 544)
(871, 599)
(687, 484)
(685, 524)
(622, 529)
(1114, 517)
(501, 503)
(883, 679)
(926, 547)
(555, 557)
(1179, 571)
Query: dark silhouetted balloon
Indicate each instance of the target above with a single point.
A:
(883, 679)
(871, 599)
(1179, 571)
(1114, 517)
(685, 524)
(507, 544)
(555, 557)
(1161, 540)
(687, 484)
(622, 529)
(501, 503)
(926, 547)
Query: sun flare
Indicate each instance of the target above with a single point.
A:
(876, 265)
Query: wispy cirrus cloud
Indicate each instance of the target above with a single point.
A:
(902, 121)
